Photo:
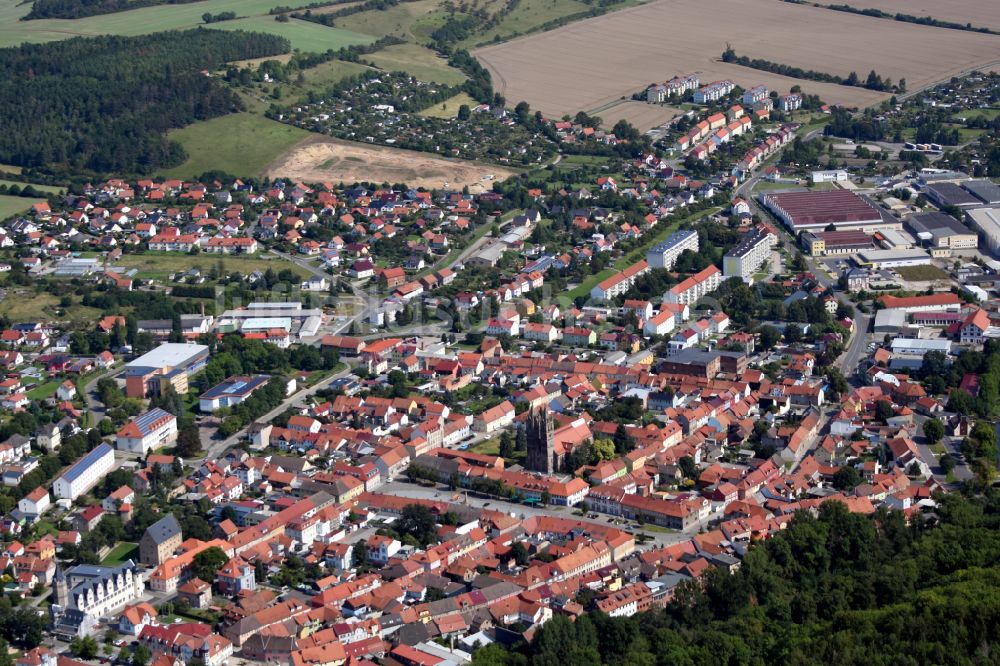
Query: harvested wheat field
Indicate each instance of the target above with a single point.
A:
(589, 64)
(322, 159)
(980, 13)
(642, 116)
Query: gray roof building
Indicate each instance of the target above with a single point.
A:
(984, 190)
(164, 529)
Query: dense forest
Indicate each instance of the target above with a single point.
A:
(838, 588)
(106, 103)
(72, 9)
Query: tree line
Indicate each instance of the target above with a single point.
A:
(873, 81)
(106, 103)
(903, 18)
(73, 9)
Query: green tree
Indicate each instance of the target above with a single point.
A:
(520, 553)
(141, 656)
(624, 442)
(84, 647)
(417, 521)
(188, 442)
(689, 468)
(846, 478)
(506, 445)
(769, 336)
(933, 430)
(883, 410)
(208, 562)
(521, 440)
(605, 448)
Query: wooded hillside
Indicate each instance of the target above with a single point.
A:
(105, 103)
(840, 588)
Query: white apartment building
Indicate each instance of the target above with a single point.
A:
(753, 95)
(664, 255)
(746, 258)
(85, 474)
(148, 431)
(693, 288)
(660, 92)
(35, 503)
(790, 102)
(713, 91)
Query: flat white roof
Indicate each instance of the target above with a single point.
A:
(926, 345)
(168, 355)
(264, 323)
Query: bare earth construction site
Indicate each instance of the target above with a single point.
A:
(591, 64)
(321, 159)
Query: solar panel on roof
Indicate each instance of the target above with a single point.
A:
(237, 386)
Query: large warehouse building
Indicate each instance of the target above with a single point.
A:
(171, 363)
(938, 230)
(987, 222)
(289, 316)
(832, 243)
(815, 211)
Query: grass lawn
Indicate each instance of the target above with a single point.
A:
(304, 35)
(965, 135)
(123, 551)
(398, 20)
(491, 447)
(417, 61)
(23, 304)
(45, 527)
(159, 265)
(989, 114)
(922, 273)
(768, 185)
(449, 107)
(10, 206)
(528, 16)
(40, 188)
(239, 144)
(43, 391)
(326, 74)
(583, 289)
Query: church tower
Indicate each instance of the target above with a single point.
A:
(541, 445)
(60, 588)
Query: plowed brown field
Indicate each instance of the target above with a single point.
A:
(589, 64)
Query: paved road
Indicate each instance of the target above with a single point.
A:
(659, 539)
(218, 448)
(90, 397)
